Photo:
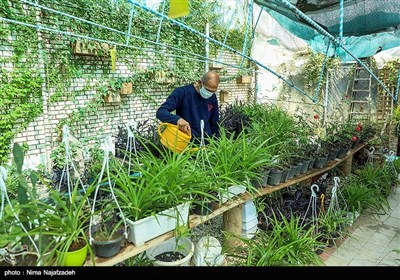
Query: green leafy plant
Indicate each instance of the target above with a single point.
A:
(288, 244)
(66, 220)
(164, 183)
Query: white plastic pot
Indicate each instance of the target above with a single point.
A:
(184, 246)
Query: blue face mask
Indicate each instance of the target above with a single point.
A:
(205, 93)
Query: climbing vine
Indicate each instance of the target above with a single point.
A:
(20, 103)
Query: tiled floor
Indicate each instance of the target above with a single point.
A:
(372, 240)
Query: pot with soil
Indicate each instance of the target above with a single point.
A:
(172, 252)
(107, 240)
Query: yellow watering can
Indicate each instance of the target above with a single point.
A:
(172, 137)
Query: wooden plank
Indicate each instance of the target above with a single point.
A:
(130, 250)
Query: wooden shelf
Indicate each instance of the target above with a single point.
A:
(130, 250)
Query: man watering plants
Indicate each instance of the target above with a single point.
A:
(193, 103)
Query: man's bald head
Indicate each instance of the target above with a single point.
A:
(210, 80)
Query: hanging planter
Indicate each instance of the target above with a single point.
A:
(126, 88)
(245, 79)
(74, 257)
(112, 97)
(89, 48)
(223, 95)
(19, 257)
(162, 78)
(109, 245)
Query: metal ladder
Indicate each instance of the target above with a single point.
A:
(361, 101)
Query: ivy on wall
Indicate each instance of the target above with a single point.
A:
(20, 103)
(20, 80)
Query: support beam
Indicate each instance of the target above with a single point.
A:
(345, 166)
(233, 226)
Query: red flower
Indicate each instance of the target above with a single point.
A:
(316, 117)
(359, 125)
(354, 138)
(358, 128)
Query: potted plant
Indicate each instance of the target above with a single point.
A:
(158, 200)
(18, 218)
(89, 48)
(108, 233)
(126, 86)
(177, 251)
(65, 221)
(110, 92)
(237, 160)
(333, 225)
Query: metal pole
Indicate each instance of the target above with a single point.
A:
(207, 45)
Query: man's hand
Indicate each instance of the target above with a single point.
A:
(184, 126)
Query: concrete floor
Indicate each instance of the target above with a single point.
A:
(372, 240)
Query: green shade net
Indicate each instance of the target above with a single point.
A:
(369, 26)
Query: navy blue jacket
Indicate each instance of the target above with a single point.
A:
(189, 105)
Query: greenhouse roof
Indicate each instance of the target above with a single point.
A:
(369, 26)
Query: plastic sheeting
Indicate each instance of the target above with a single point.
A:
(369, 26)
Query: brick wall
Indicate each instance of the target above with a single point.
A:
(42, 135)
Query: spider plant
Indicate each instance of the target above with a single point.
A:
(65, 220)
(361, 198)
(237, 161)
(163, 183)
(288, 244)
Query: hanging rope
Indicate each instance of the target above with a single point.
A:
(312, 204)
(334, 205)
(4, 195)
(341, 21)
(203, 152)
(69, 161)
(105, 168)
(226, 35)
(128, 35)
(131, 143)
(161, 20)
(370, 158)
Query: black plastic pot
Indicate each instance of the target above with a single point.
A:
(311, 164)
(320, 162)
(343, 151)
(202, 208)
(109, 248)
(275, 176)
